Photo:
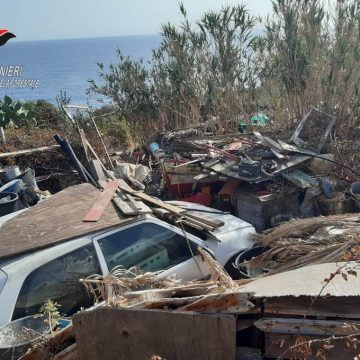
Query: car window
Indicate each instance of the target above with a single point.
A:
(58, 281)
(147, 246)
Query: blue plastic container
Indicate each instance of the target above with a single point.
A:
(154, 147)
(14, 186)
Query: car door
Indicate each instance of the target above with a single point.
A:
(152, 245)
(58, 280)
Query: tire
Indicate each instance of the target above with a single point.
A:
(231, 269)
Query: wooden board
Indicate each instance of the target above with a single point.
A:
(119, 334)
(127, 207)
(205, 222)
(56, 219)
(28, 151)
(102, 202)
(69, 353)
(346, 307)
(123, 205)
(308, 327)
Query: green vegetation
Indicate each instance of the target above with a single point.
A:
(229, 64)
(17, 112)
(197, 72)
(40, 114)
(311, 56)
(51, 311)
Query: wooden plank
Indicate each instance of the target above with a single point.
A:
(108, 333)
(187, 163)
(336, 307)
(143, 208)
(308, 327)
(102, 202)
(206, 219)
(56, 219)
(84, 144)
(107, 172)
(2, 136)
(69, 353)
(111, 176)
(227, 303)
(28, 151)
(50, 344)
(96, 171)
(208, 223)
(123, 205)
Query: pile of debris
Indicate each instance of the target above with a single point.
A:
(267, 314)
(304, 242)
(270, 317)
(259, 179)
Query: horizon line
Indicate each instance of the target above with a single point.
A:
(82, 38)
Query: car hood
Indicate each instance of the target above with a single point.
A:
(231, 222)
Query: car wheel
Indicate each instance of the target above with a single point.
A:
(231, 269)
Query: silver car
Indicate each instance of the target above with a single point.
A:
(150, 244)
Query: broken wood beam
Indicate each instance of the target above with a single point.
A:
(28, 151)
(210, 224)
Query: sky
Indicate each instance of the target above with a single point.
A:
(65, 19)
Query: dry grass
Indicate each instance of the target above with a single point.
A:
(121, 281)
(304, 242)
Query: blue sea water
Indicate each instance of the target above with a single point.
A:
(67, 65)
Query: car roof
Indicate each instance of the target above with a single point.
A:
(55, 220)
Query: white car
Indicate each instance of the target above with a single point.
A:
(150, 244)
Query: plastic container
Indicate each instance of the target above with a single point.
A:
(28, 178)
(17, 336)
(9, 173)
(154, 148)
(14, 186)
(10, 206)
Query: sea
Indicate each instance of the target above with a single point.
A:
(67, 65)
